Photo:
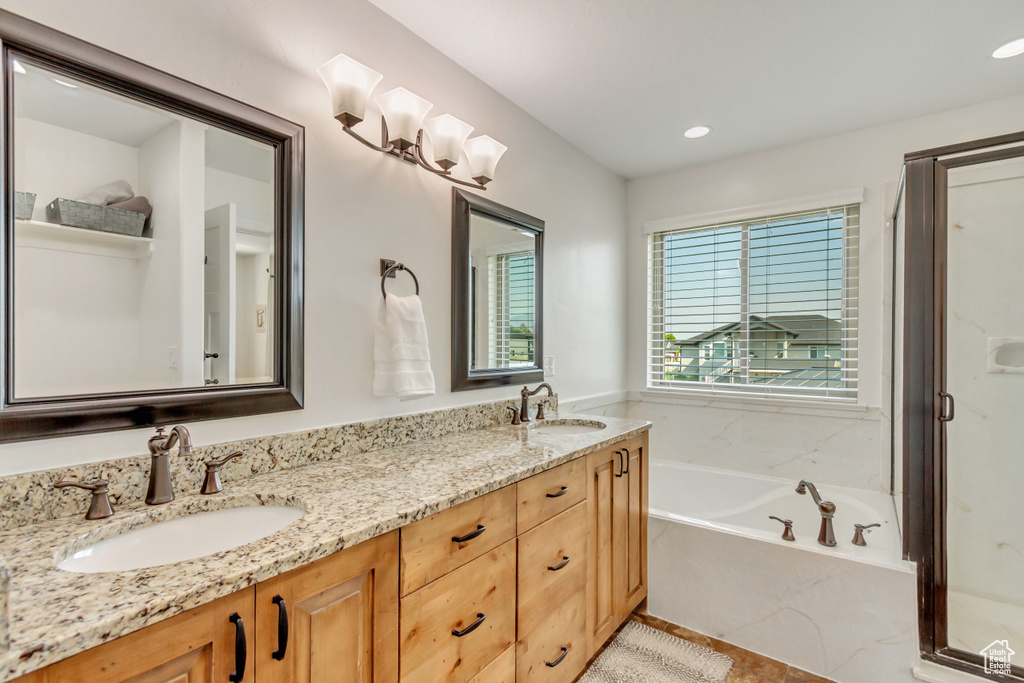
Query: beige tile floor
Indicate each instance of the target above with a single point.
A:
(748, 667)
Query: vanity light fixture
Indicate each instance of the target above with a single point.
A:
(697, 132)
(402, 124)
(1011, 49)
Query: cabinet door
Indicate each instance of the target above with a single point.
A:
(335, 619)
(198, 646)
(634, 578)
(605, 534)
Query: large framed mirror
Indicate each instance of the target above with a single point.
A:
(151, 245)
(497, 294)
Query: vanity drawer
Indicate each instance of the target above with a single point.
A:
(544, 495)
(501, 670)
(429, 550)
(563, 627)
(552, 565)
(430, 650)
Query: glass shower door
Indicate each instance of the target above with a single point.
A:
(983, 414)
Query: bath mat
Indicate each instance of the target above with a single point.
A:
(641, 654)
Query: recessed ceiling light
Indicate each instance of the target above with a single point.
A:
(697, 132)
(18, 68)
(1011, 49)
(64, 83)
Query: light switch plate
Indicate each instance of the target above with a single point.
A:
(549, 366)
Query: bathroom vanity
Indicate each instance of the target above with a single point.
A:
(512, 557)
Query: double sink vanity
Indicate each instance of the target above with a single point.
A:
(507, 553)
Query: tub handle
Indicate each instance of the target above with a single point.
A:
(787, 533)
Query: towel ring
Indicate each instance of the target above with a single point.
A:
(397, 267)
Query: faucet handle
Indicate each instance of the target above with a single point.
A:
(787, 533)
(212, 483)
(99, 506)
(858, 533)
(540, 410)
(515, 415)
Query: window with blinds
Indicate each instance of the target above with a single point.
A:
(762, 306)
(510, 309)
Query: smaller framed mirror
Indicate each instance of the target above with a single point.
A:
(497, 294)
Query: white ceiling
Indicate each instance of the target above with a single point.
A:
(622, 79)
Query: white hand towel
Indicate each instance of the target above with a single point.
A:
(400, 353)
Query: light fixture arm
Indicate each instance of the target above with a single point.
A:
(417, 156)
(388, 147)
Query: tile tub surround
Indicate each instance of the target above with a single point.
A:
(846, 620)
(56, 614)
(29, 498)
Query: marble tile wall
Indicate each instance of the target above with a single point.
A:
(842, 450)
(850, 621)
(30, 497)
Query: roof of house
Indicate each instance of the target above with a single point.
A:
(813, 328)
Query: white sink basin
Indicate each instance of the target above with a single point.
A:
(181, 538)
(569, 427)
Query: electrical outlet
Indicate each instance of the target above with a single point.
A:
(549, 366)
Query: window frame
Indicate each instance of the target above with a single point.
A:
(850, 203)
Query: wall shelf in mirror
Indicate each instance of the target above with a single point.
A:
(41, 235)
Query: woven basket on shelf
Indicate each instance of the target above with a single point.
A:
(95, 217)
(24, 202)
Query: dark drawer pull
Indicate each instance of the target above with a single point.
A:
(558, 661)
(627, 460)
(472, 627)
(240, 649)
(565, 561)
(480, 528)
(282, 628)
(565, 490)
(622, 468)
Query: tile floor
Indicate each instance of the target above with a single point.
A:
(748, 667)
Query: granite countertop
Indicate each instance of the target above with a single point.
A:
(55, 614)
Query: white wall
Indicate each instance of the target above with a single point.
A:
(362, 206)
(843, 448)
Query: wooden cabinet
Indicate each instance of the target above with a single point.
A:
(521, 585)
(617, 541)
(198, 646)
(439, 544)
(453, 628)
(335, 619)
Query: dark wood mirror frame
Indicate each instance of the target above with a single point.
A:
(39, 418)
(463, 378)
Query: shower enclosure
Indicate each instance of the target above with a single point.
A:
(962, 396)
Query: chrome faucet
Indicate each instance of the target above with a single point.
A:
(160, 489)
(826, 535)
(524, 406)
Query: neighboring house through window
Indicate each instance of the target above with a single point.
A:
(766, 305)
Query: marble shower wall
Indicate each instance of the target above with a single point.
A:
(826, 447)
(30, 498)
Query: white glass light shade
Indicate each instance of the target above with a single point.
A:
(350, 84)
(483, 154)
(1011, 49)
(447, 135)
(403, 112)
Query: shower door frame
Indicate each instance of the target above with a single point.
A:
(924, 382)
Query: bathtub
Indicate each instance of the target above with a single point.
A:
(742, 503)
(718, 565)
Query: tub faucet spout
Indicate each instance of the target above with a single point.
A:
(827, 509)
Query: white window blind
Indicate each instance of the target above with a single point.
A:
(765, 306)
(510, 309)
